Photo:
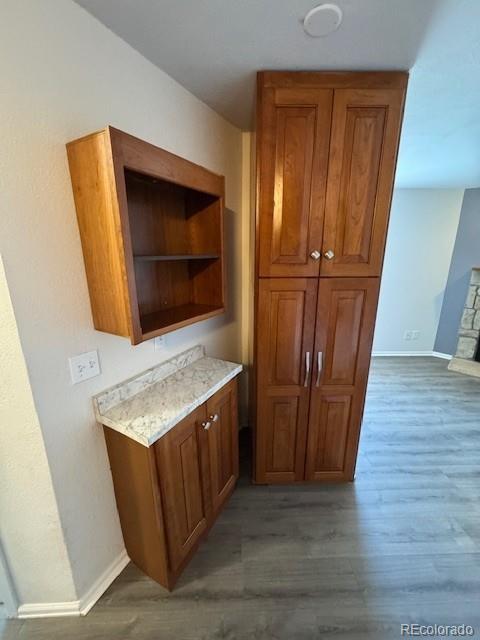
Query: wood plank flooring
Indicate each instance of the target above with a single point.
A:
(401, 544)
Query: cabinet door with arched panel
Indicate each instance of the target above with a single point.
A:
(294, 132)
(343, 338)
(221, 426)
(361, 168)
(286, 321)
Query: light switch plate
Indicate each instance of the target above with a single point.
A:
(84, 366)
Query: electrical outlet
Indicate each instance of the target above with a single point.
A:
(415, 334)
(84, 366)
(159, 343)
(407, 335)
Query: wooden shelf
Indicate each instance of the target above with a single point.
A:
(205, 256)
(160, 322)
(152, 235)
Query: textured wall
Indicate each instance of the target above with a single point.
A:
(420, 241)
(27, 501)
(64, 75)
(466, 254)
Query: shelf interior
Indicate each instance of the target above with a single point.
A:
(159, 319)
(167, 258)
(176, 235)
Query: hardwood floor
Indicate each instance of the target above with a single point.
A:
(401, 544)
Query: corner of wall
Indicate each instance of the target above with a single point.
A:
(28, 507)
(246, 286)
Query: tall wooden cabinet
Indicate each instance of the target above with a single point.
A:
(326, 152)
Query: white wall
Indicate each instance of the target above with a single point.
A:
(27, 500)
(63, 75)
(421, 236)
(8, 597)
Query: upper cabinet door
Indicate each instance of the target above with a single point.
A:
(363, 152)
(293, 140)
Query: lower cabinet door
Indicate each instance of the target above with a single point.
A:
(331, 419)
(222, 436)
(286, 322)
(182, 480)
(343, 339)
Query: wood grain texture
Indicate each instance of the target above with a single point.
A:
(222, 412)
(363, 151)
(133, 198)
(328, 433)
(286, 319)
(326, 152)
(141, 156)
(335, 79)
(101, 233)
(343, 335)
(181, 481)
(137, 494)
(164, 321)
(345, 323)
(293, 134)
(169, 495)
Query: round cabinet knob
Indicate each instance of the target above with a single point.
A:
(206, 425)
(213, 417)
(329, 254)
(315, 254)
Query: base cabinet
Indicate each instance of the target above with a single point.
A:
(183, 486)
(168, 495)
(313, 356)
(286, 314)
(222, 437)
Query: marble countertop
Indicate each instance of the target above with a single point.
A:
(146, 406)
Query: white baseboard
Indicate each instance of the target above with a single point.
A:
(102, 583)
(49, 609)
(444, 356)
(434, 354)
(77, 607)
(8, 596)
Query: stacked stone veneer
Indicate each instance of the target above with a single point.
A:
(469, 331)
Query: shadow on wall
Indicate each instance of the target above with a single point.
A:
(466, 254)
(8, 597)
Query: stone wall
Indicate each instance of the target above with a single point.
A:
(469, 331)
(470, 325)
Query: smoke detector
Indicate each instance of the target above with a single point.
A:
(322, 20)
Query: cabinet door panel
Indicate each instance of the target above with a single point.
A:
(344, 331)
(286, 317)
(293, 155)
(328, 441)
(281, 419)
(340, 320)
(363, 151)
(179, 460)
(222, 443)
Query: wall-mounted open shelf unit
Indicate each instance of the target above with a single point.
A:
(171, 258)
(151, 226)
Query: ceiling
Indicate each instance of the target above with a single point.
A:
(214, 47)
